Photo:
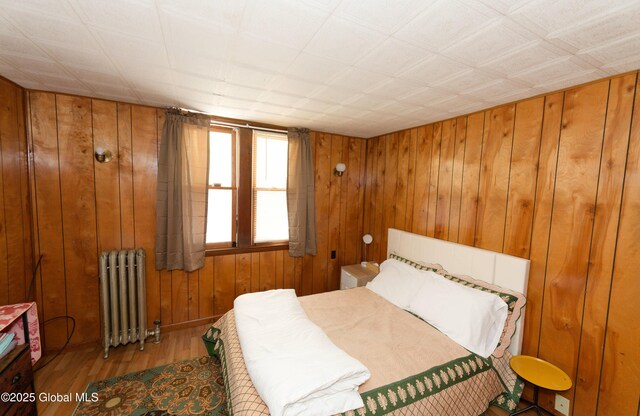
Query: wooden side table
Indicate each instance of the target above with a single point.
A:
(355, 275)
(540, 373)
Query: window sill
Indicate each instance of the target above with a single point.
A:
(241, 250)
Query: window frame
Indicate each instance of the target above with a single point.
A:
(233, 188)
(243, 201)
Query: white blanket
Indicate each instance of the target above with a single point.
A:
(294, 366)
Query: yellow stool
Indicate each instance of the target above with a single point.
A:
(541, 374)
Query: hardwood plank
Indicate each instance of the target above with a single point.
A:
(424, 146)
(445, 178)
(243, 273)
(571, 225)
(48, 213)
(75, 149)
(433, 179)
(144, 150)
(400, 205)
(125, 175)
(599, 287)
(224, 286)
(456, 183)
(206, 288)
(522, 177)
(267, 270)
(471, 179)
(107, 181)
(494, 177)
(545, 188)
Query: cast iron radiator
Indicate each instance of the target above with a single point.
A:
(123, 298)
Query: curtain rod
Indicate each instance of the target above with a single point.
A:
(185, 111)
(246, 125)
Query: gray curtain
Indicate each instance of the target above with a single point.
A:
(182, 192)
(301, 195)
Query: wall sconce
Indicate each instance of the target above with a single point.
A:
(366, 239)
(339, 169)
(103, 155)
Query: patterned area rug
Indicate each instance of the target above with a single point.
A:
(189, 387)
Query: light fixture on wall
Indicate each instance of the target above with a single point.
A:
(103, 155)
(366, 239)
(339, 169)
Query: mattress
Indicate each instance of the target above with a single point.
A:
(415, 369)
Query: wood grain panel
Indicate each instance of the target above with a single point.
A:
(243, 274)
(15, 273)
(494, 177)
(549, 143)
(288, 272)
(445, 177)
(571, 225)
(48, 207)
(179, 296)
(107, 181)
(193, 298)
(224, 287)
(255, 272)
(471, 179)
(368, 221)
(456, 182)
(279, 270)
(353, 199)
(27, 218)
(411, 178)
(333, 214)
(206, 288)
(434, 179)
(166, 297)
(267, 270)
(423, 175)
(125, 175)
(620, 378)
(144, 147)
(400, 206)
(324, 171)
(75, 149)
(376, 245)
(522, 177)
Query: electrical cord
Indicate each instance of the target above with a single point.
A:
(67, 317)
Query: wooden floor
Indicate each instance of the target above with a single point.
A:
(74, 369)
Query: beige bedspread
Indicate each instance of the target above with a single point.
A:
(414, 368)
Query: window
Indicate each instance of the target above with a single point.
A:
(247, 203)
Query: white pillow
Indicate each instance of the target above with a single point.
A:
(397, 282)
(472, 318)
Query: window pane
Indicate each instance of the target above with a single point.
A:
(219, 216)
(220, 154)
(271, 222)
(271, 156)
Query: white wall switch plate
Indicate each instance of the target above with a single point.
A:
(562, 405)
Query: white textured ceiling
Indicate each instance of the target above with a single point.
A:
(356, 67)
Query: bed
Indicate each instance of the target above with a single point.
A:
(415, 369)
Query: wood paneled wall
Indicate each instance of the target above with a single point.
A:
(15, 220)
(555, 179)
(82, 207)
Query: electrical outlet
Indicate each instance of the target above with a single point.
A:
(562, 404)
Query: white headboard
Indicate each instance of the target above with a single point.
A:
(500, 269)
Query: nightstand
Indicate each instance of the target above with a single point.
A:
(355, 275)
(16, 377)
